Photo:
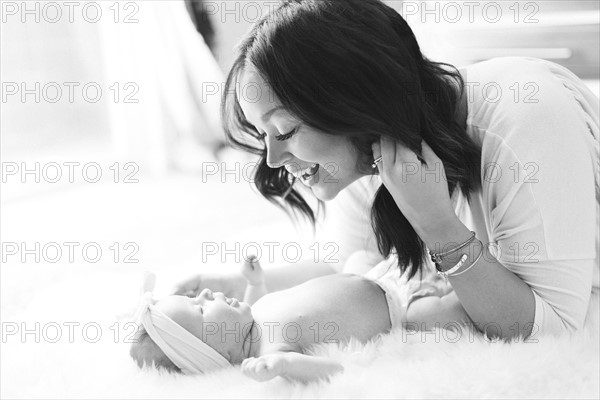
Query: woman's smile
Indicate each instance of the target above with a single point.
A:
(324, 162)
(303, 174)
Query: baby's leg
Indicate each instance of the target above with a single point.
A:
(429, 312)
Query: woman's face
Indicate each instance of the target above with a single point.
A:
(325, 163)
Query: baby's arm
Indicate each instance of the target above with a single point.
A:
(256, 288)
(290, 365)
(432, 311)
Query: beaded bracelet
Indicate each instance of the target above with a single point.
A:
(452, 271)
(459, 264)
(470, 266)
(437, 257)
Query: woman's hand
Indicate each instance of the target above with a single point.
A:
(232, 285)
(419, 190)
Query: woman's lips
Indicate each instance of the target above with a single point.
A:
(311, 172)
(302, 173)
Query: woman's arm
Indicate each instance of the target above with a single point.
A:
(537, 208)
(526, 292)
(497, 301)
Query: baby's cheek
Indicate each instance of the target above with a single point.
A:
(242, 322)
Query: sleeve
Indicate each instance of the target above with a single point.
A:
(347, 222)
(541, 200)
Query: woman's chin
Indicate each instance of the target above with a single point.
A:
(324, 191)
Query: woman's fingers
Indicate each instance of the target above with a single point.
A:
(433, 162)
(393, 152)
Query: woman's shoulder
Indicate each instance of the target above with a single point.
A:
(509, 92)
(509, 82)
(500, 69)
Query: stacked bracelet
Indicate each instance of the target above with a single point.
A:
(437, 257)
(458, 265)
(453, 271)
(470, 266)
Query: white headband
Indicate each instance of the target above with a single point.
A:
(185, 350)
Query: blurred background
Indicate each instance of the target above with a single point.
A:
(111, 137)
(110, 117)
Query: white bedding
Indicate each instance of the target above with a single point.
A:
(170, 225)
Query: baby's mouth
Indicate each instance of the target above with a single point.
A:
(232, 302)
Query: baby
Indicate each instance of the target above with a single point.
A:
(210, 331)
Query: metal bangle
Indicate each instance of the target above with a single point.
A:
(470, 266)
(456, 267)
(439, 255)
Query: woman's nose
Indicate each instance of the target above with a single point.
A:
(277, 153)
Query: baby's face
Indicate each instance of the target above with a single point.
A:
(219, 321)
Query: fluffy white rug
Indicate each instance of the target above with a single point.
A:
(393, 366)
(169, 220)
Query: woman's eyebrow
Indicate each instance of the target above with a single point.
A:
(268, 114)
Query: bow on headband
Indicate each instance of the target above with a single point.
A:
(185, 350)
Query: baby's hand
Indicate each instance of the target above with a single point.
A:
(253, 272)
(264, 368)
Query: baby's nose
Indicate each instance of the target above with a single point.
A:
(207, 293)
(219, 295)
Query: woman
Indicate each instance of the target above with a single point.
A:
(500, 189)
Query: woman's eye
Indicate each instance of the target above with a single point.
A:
(287, 135)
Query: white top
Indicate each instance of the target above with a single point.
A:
(539, 203)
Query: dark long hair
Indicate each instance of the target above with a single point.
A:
(354, 68)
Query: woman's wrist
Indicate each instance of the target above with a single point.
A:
(445, 236)
(439, 234)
